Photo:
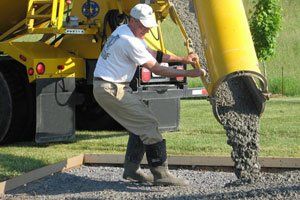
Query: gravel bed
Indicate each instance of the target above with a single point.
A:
(102, 182)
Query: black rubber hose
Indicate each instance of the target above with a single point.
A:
(114, 19)
(57, 39)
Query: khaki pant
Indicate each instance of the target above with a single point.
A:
(128, 109)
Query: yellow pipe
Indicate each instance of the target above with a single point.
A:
(54, 11)
(30, 11)
(60, 14)
(227, 41)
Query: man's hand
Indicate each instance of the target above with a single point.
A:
(192, 59)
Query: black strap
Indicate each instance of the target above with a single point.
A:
(156, 153)
(159, 56)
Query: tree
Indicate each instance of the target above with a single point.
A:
(265, 24)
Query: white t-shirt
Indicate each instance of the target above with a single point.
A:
(122, 53)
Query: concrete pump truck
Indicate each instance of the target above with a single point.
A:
(49, 49)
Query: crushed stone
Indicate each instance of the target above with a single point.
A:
(104, 182)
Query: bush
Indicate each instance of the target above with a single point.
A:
(265, 23)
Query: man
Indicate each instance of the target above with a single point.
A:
(123, 52)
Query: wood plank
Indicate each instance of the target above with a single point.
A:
(214, 161)
(200, 161)
(280, 162)
(172, 160)
(40, 173)
(104, 159)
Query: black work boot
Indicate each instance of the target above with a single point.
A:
(134, 155)
(157, 159)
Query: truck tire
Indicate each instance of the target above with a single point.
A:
(90, 116)
(95, 119)
(5, 107)
(19, 103)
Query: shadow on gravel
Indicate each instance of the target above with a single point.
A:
(268, 193)
(17, 164)
(66, 184)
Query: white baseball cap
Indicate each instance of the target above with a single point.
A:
(144, 13)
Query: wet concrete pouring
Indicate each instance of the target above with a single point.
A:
(240, 119)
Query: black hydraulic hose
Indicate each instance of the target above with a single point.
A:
(156, 38)
(114, 19)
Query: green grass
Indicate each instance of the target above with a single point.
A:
(175, 43)
(199, 134)
(280, 127)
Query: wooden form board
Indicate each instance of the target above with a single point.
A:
(172, 160)
(40, 173)
(280, 162)
(208, 161)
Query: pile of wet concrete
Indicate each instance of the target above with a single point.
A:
(234, 104)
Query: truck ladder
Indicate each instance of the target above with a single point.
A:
(54, 15)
